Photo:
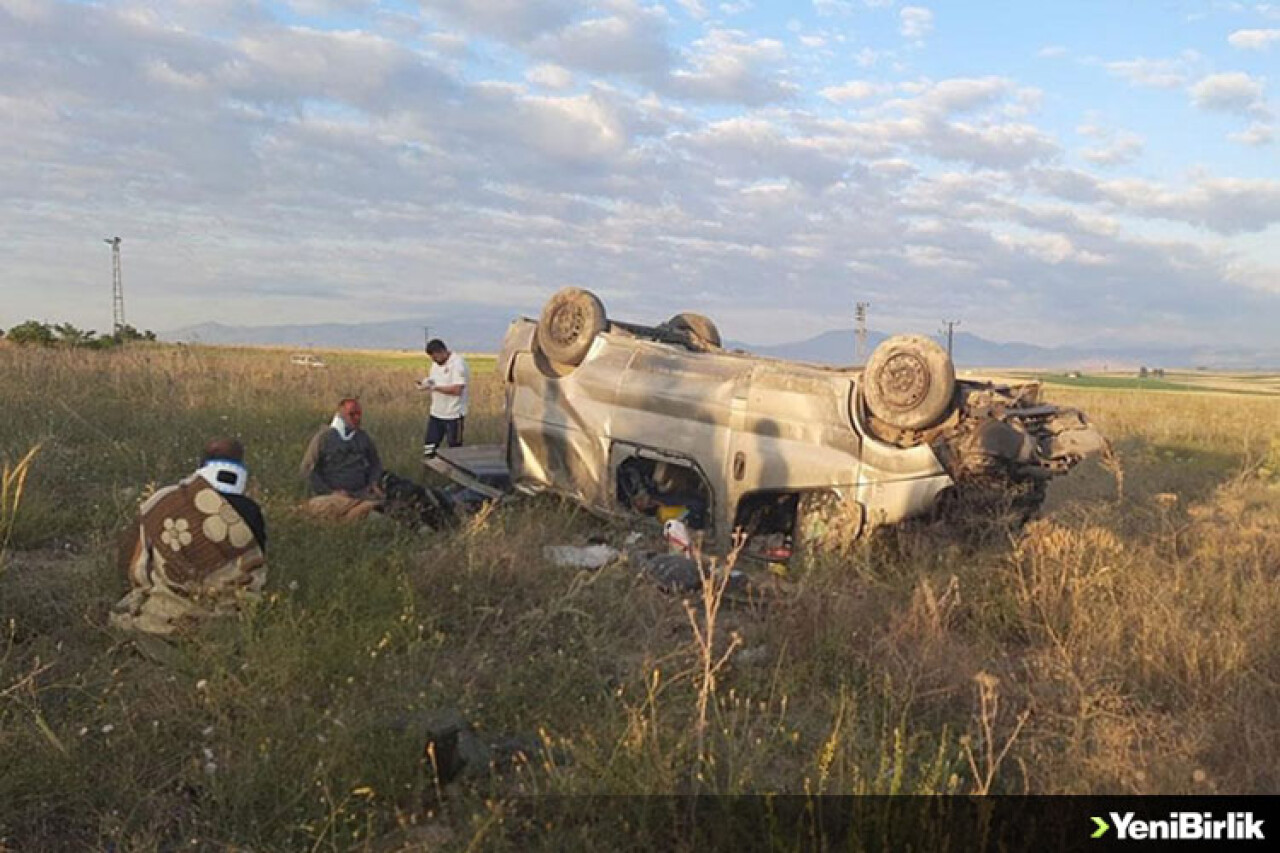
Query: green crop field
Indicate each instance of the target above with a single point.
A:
(1125, 642)
(1264, 384)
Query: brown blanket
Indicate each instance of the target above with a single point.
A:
(192, 556)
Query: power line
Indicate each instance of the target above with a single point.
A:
(117, 286)
(951, 325)
(860, 330)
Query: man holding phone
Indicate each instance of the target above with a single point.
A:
(447, 383)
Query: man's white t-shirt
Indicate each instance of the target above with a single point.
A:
(453, 372)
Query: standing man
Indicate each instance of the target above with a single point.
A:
(447, 383)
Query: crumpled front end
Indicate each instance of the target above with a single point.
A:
(1003, 432)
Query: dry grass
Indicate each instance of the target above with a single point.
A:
(1119, 644)
(13, 483)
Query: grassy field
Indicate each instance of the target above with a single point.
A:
(1126, 642)
(408, 360)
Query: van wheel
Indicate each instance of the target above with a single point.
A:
(570, 321)
(909, 382)
(702, 333)
(827, 523)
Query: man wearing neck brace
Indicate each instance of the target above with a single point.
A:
(342, 467)
(198, 549)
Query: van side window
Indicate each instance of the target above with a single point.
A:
(663, 489)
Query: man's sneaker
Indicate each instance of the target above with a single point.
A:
(428, 451)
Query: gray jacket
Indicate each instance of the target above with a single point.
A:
(333, 465)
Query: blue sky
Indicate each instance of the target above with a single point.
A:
(1044, 172)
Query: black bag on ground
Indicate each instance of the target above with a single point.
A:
(411, 503)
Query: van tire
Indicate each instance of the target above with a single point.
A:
(570, 321)
(909, 382)
(703, 334)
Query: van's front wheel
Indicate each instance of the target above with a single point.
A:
(909, 382)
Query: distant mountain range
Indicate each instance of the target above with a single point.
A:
(969, 350)
(477, 332)
(464, 335)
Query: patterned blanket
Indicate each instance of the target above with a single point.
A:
(191, 556)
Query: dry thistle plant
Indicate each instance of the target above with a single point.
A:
(714, 584)
(988, 713)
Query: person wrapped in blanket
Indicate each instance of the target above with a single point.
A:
(347, 482)
(198, 547)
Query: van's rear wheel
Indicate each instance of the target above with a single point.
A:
(701, 332)
(909, 382)
(570, 321)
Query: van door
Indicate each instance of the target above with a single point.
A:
(792, 432)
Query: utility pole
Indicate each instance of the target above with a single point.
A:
(951, 325)
(426, 337)
(860, 330)
(117, 286)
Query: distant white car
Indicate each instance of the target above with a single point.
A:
(306, 359)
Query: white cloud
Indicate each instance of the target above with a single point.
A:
(833, 8)
(746, 149)
(1151, 73)
(1232, 92)
(449, 44)
(1224, 205)
(571, 128)
(1051, 51)
(1118, 150)
(28, 11)
(726, 65)
(320, 8)
(549, 75)
(694, 9)
(1256, 134)
(916, 22)
(511, 20)
(632, 40)
(962, 94)
(854, 90)
(1004, 146)
(1253, 39)
(1221, 205)
(866, 57)
(316, 172)
(926, 122)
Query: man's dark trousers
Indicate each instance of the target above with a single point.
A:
(441, 429)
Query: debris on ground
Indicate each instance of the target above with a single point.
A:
(753, 656)
(677, 536)
(595, 556)
(454, 750)
(677, 573)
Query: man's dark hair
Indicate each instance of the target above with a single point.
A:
(223, 447)
(435, 345)
(347, 402)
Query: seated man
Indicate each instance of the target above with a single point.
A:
(198, 548)
(347, 481)
(342, 467)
